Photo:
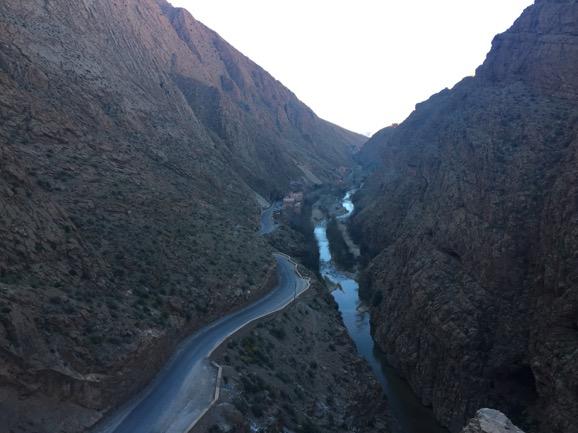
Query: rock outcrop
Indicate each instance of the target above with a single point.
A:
(470, 225)
(490, 421)
(132, 142)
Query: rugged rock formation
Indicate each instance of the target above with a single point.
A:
(471, 225)
(491, 421)
(132, 142)
(369, 155)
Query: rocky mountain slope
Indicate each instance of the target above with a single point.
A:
(298, 371)
(471, 228)
(369, 155)
(132, 142)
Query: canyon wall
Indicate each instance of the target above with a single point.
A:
(470, 228)
(132, 142)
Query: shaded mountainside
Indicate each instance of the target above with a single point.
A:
(264, 125)
(471, 226)
(132, 142)
(369, 156)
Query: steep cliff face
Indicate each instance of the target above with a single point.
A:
(132, 141)
(471, 226)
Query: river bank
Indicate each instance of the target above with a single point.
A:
(409, 415)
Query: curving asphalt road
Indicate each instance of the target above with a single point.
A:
(184, 388)
(267, 222)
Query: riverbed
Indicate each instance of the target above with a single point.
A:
(411, 416)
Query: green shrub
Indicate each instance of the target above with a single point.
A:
(257, 410)
(278, 333)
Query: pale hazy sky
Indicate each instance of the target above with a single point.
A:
(362, 64)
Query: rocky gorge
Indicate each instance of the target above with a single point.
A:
(469, 230)
(137, 151)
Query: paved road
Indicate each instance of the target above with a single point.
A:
(267, 222)
(179, 393)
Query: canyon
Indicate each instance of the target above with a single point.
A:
(151, 176)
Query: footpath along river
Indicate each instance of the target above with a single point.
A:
(406, 408)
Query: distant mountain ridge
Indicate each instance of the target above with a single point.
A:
(249, 95)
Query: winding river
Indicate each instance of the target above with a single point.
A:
(406, 408)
